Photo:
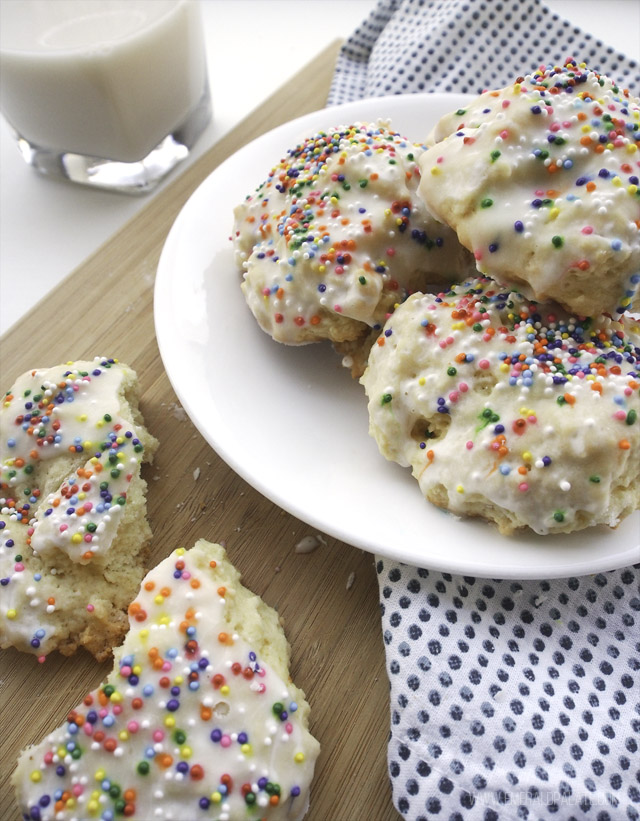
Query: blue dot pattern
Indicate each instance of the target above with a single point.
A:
(465, 46)
(513, 700)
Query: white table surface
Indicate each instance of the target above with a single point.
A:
(49, 227)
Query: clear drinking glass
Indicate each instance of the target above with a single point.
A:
(107, 93)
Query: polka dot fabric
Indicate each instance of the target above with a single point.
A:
(465, 46)
(513, 700)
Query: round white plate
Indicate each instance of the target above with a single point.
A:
(291, 421)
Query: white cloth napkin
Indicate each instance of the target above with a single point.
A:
(508, 700)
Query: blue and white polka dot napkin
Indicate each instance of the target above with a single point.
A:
(509, 700)
(465, 46)
(513, 700)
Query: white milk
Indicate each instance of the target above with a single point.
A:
(104, 78)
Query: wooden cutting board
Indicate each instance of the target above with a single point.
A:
(105, 308)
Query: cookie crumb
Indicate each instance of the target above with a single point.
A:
(178, 412)
(310, 543)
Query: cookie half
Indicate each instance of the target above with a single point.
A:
(73, 529)
(199, 717)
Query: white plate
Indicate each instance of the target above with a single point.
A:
(291, 421)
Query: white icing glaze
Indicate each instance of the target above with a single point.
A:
(185, 725)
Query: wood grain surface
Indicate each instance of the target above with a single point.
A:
(338, 654)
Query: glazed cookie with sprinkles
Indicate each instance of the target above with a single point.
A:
(199, 717)
(540, 180)
(73, 532)
(510, 410)
(336, 236)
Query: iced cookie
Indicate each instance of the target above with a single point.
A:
(199, 718)
(540, 182)
(73, 531)
(510, 410)
(336, 236)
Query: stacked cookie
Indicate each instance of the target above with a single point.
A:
(540, 182)
(337, 235)
(508, 409)
(512, 394)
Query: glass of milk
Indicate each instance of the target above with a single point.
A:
(107, 93)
